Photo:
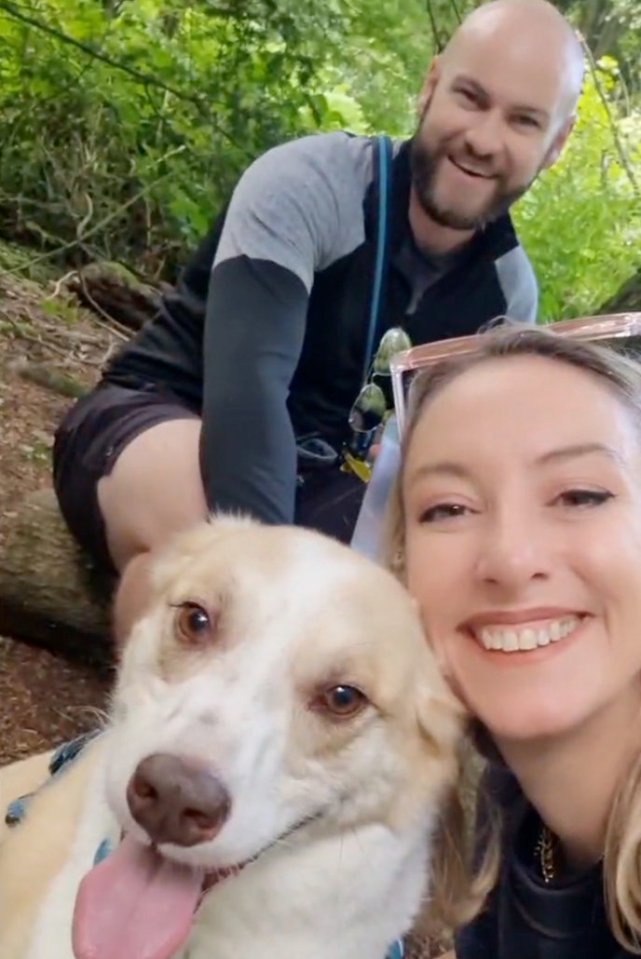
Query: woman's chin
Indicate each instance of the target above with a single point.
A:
(522, 722)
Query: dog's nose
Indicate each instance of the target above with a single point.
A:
(176, 800)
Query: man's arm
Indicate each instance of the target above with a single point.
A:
(254, 331)
(287, 218)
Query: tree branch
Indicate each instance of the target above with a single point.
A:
(435, 30)
(97, 226)
(623, 158)
(457, 12)
(138, 75)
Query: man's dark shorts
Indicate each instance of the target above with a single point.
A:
(96, 430)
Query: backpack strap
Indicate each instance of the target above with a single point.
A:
(383, 157)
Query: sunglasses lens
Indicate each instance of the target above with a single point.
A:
(365, 419)
(394, 341)
(368, 409)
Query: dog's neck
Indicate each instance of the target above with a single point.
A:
(348, 895)
(315, 901)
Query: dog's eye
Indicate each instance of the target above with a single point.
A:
(193, 623)
(342, 701)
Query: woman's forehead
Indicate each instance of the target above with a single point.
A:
(523, 403)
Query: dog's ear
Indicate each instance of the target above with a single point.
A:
(439, 714)
(433, 747)
(180, 550)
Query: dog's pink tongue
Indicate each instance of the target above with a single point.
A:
(135, 905)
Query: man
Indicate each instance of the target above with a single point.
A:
(261, 346)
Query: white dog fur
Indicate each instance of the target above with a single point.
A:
(293, 614)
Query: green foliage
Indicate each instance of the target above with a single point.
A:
(127, 122)
(135, 159)
(581, 223)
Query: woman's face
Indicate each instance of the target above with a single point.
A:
(522, 493)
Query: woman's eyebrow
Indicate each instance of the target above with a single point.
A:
(580, 449)
(440, 468)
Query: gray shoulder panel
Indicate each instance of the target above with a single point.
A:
(300, 205)
(519, 285)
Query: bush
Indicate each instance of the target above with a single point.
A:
(581, 223)
(130, 159)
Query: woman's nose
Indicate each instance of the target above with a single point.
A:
(513, 552)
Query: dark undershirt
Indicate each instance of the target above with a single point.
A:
(527, 919)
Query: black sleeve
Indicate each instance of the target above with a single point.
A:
(254, 330)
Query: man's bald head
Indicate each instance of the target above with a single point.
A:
(496, 109)
(529, 28)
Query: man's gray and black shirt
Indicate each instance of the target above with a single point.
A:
(265, 333)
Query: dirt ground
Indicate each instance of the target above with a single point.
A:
(43, 335)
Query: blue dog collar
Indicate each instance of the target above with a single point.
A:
(396, 952)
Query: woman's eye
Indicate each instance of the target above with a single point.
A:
(443, 511)
(584, 497)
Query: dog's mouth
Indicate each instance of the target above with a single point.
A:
(139, 904)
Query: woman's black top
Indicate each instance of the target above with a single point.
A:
(525, 918)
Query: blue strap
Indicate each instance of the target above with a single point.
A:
(384, 159)
(397, 951)
(61, 759)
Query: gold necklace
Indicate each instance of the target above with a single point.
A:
(545, 850)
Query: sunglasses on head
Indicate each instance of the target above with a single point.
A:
(614, 329)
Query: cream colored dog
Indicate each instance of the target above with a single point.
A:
(269, 776)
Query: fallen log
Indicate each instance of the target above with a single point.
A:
(114, 292)
(51, 594)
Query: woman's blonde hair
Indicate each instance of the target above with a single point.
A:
(460, 890)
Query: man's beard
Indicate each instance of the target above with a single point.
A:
(425, 164)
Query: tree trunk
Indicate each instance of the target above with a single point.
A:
(114, 292)
(50, 593)
(627, 299)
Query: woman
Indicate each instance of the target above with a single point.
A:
(516, 523)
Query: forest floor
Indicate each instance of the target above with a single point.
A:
(50, 350)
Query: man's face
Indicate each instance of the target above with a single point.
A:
(492, 119)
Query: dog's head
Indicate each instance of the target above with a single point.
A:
(276, 678)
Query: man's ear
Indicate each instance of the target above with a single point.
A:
(429, 85)
(556, 148)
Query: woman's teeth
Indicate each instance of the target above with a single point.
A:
(512, 639)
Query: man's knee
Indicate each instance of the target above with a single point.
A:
(154, 490)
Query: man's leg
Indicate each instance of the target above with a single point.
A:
(154, 491)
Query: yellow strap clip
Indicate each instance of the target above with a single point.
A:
(359, 467)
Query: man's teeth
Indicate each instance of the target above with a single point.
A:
(511, 639)
(471, 171)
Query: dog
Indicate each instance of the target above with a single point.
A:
(269, 777)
